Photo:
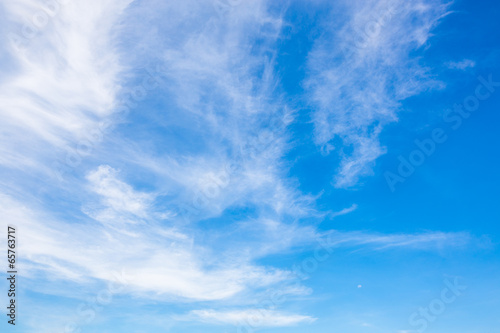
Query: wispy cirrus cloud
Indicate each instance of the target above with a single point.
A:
(116, 197)
(166, 262)
(222, 126)
(215, 81)
(461, 65)
(158, 261)
(190, 191)
(63, 77)
(360, 71)
(257, 318)
(431, 240)
(344, 211)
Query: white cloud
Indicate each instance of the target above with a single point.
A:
(344, 211)
(432, 240)
(162, 262)
(62, 80)
(255, 318)
(222, 94)
(359, 72)
(461, 65)
(67, 79)
(156, 260)
(223, 120)
(116, 196)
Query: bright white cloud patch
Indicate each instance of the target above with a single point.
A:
(63, 77)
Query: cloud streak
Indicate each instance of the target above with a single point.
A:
(190, 191)
(63, 79)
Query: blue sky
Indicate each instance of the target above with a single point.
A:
(243, 166)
